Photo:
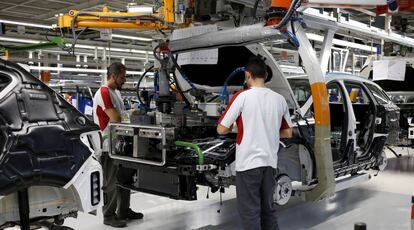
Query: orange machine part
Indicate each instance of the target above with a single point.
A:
(281, 3)
(321, 104)
(403, 5)
(278, 4)
(45, 76)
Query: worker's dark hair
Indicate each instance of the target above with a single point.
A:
(257, 67)
(115, 68)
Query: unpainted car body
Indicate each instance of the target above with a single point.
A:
(47, 147)
(402, 94)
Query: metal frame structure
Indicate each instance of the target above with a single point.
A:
(135, 131)
(359, 28)
(316, 69)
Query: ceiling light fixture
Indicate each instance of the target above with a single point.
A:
(19, 40)
(26, 24)
(319, 38)
(76, 70)
(131, 37)
(9, 39)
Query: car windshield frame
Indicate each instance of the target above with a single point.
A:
(379, 96)
(5, 81)
(300, 85)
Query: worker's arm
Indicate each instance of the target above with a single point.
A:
(230, 115)
(113, 115)
(104, 100)
(286, 130)
(222, 130)
(286, 133)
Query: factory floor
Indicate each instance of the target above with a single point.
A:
(384, 202)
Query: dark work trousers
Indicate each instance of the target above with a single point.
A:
(116, 199)
(255, 188)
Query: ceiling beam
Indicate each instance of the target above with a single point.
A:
(117, 5)
(16, 5)
(81, 42)
(60, 1)
(11, 11)
(7, 14)
(365, 11)
(71, 63)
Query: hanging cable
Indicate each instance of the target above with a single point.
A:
(174, 60)
(256, 4)
(293, 6)
(224, 94)
(156, 55)
(139, 83)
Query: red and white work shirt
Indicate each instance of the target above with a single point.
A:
(260, 114)
(106, 98)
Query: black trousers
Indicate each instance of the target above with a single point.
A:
(116, 199)
(255, 190)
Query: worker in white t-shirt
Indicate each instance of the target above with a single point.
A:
(262, 117)
(108, 107)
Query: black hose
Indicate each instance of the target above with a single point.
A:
(256, 4)
(174, 60)
(288, 15)
(139, 83)
(155, 53)
(75, 37)
(73, 34)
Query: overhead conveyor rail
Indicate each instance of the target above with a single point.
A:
(358, 28)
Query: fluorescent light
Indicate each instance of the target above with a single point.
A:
(132, 37)
(319, 38)
(26, 24)
(65, 69)
(9, 39)
(91, 55)
(76, 70)
(6, 39)
(142, 9)
(111, 49)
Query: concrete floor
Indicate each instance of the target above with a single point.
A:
(384, 202)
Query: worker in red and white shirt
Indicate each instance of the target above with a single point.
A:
(108, 107)
(262, 118)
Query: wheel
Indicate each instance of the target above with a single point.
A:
(283, 190)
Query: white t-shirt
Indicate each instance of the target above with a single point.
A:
(260, 114)
(106, 98)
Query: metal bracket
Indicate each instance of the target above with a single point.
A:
(156, 132)
(202, 168)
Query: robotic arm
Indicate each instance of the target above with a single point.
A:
(138, 17)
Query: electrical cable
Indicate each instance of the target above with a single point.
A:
(75, 37)
(293, 40)
(174, 60)
(139, 83)
(224, 94)
(293, 6)
(155, 53)
(256, 4)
